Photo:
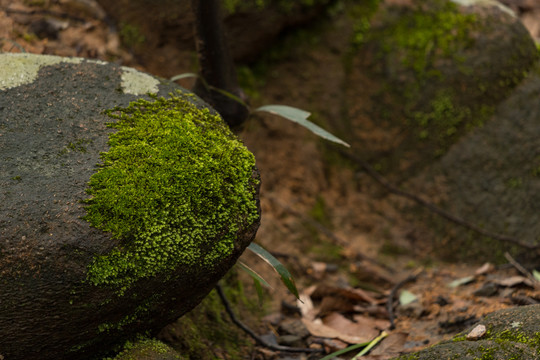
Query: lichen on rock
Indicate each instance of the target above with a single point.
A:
(175, 187)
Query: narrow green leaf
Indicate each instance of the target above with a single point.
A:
(343, 351)
(300, 117)
(253, 274)
(371, 345)
(183, 76)
(229, 95)
(285, 275)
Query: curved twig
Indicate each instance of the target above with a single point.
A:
(432, 207)
(391, 297)
(252, 334)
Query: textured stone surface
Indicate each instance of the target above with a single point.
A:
(511, 334)
(52, 130)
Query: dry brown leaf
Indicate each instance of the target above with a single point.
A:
(378, 323)
(485, 269)
(350, 293)
(306, 307)
(514, 281)
(333, 303)
(319, 329)
(391, 345)
(351, 331)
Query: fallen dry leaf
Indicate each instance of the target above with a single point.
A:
(514, 281)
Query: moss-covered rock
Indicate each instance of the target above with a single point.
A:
(120, 211)
(438, 69)
(512, 334)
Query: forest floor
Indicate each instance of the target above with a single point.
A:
(344, 237)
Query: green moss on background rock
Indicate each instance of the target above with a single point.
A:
(175, 187)
(426, 36)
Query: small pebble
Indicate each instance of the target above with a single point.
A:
(477, 332)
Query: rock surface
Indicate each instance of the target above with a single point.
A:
(510, 334)
(162, 31)
(438, 70)
(492, 176)
(52, 133)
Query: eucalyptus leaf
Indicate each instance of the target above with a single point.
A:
(300, 117)
(254, 275)
(285, 275)
(184, 76)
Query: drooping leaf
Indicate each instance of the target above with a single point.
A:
(228, 94)
(300, 117)
(254, 275)
(257, 280)
(285, 275)
(183, 76)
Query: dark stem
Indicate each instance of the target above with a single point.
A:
(435, 209)
(252, 334)
(216, 64)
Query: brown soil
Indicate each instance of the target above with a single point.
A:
(327, 221)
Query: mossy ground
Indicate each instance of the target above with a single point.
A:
(175, 187)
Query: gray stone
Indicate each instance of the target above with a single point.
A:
(65, 294)
(511, 334)
(437, 71)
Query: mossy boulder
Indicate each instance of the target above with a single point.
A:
(437, 70)
(491, 178)
(124, 199)
(510, 334)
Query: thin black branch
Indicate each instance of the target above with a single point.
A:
(252, 334)
(522, 270)
(392, 296)
(433, 208)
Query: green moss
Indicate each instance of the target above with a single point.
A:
(146, 349)
(441, 121)
(427, 36)
(131, 35)
(206, 332)
(174, 180)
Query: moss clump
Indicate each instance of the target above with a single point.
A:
(146, 349)
(174, 180)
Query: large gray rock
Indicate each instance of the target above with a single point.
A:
(437, 69)
(510, 334)
(96, 247)
(492, 178)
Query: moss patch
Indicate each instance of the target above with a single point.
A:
(174, 180)
(146, 349)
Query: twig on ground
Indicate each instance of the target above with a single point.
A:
(252, 334)
(391, 297)
(522, 270)
(430, 206)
